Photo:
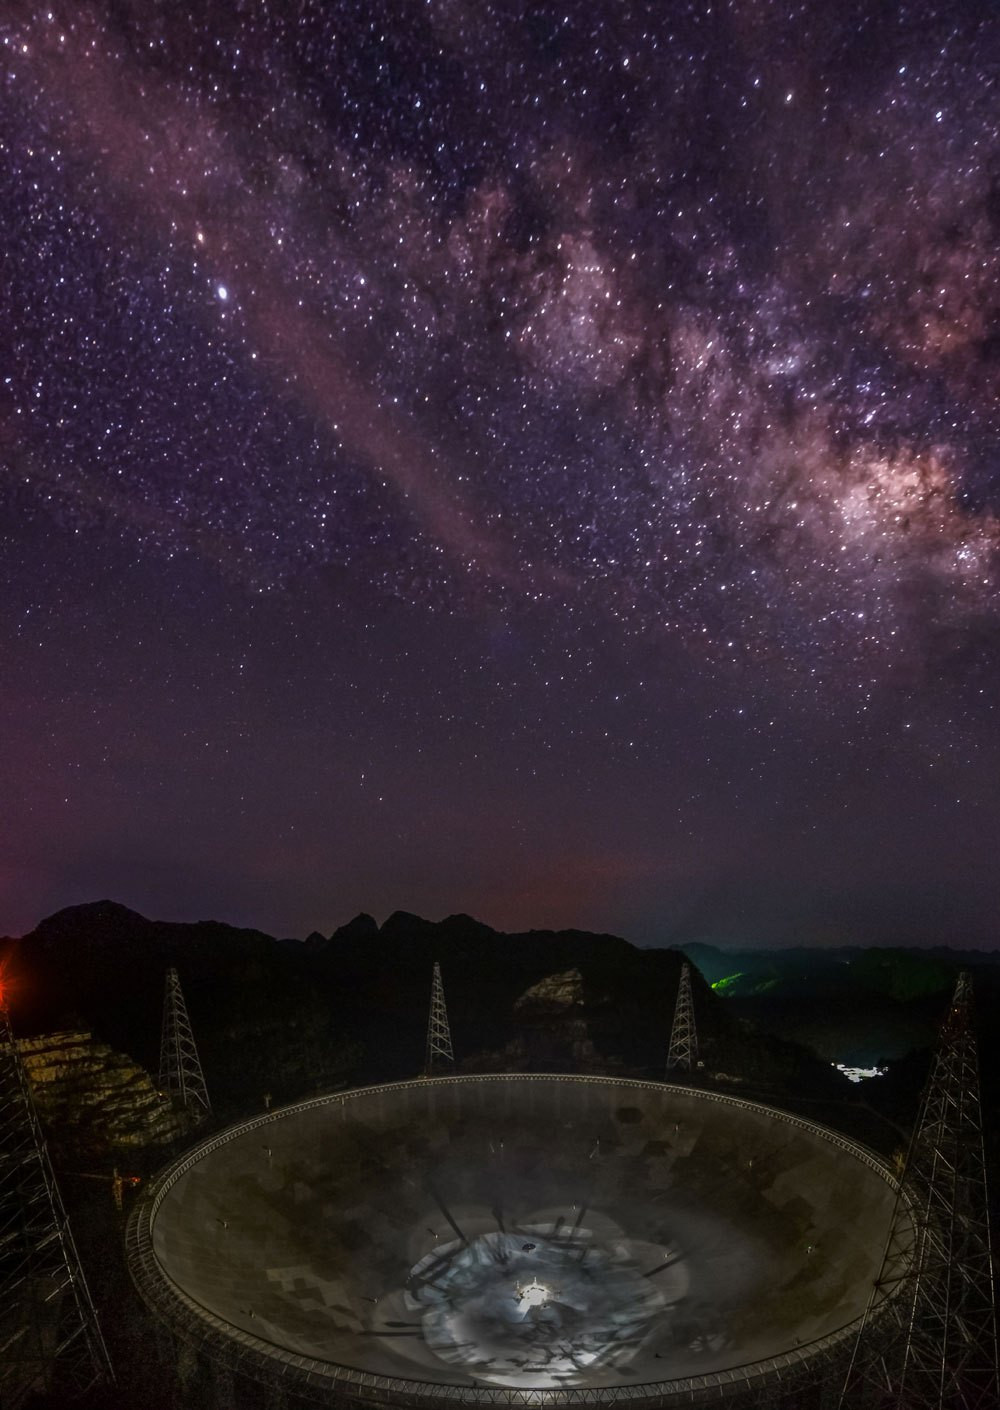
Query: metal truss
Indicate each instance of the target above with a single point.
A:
(682, 1055)
(935, 1347)
(439, 1050)
(181, 1076)
(50, 1340)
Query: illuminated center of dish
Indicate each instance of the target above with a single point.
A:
(534, 1295)
(548, 1305)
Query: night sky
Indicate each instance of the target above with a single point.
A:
(538, 461)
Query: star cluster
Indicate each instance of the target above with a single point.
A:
(560, 439)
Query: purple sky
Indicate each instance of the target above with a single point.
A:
(536, 461)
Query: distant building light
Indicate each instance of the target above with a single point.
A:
(858, 1074)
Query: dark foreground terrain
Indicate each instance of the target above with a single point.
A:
(277, 1020)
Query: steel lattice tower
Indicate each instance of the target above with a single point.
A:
(50, 1340)
(682, 1055)
(439, 1050)
(934, 1346)
(180, 1068)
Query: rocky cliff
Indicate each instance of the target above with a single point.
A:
(95, 1099)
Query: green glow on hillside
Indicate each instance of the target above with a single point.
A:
(727, 979)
